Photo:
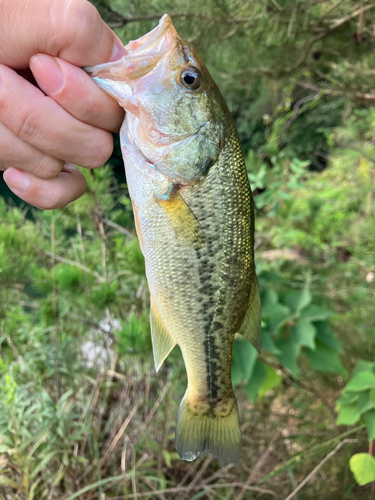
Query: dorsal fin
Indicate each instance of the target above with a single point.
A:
(251, 325)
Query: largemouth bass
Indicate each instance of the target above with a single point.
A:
(193, 210)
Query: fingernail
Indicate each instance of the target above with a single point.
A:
(17, 179)
(48, 73)
(118, 50)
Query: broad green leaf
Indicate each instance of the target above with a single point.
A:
(303, 334)
(298, 299)
(364, 402)
(326, 336)
(348, 398)
(325, 359)
(274, 315)
(370, 422)
(361, 382)
(348, 415)
(258, 377)
(316, 313)
(273, 380)
(268, 297)
(246, 356)
(236, 372)
(268, 344)
(362, 466)
(363, 366)
(271, 277)
(289, 353)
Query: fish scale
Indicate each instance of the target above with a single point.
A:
(194, 216)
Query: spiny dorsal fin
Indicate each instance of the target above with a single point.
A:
(251, 325)
(162, 342)
(185, 225)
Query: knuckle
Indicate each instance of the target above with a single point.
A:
(79, 18)
(58, 192)
(86, 112)
(46, 168)
(26, 123)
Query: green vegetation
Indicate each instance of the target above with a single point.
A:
(82, 412)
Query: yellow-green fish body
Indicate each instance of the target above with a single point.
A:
(194, 218)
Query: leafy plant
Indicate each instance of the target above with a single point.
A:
(358, 402)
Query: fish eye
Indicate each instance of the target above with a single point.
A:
(191, 78)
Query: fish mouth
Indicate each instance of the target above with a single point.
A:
(118, 78)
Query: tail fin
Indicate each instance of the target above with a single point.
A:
(212, 431)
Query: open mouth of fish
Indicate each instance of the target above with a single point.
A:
(123, 78)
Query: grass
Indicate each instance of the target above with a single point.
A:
(117, 442)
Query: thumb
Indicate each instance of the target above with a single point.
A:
(70, 29)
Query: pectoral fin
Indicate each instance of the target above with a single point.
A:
(251, 325)
(162, 341)
(181, 218)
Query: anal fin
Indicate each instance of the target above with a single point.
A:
(162, 341)
(251, 325)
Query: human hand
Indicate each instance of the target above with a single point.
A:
(42, 134)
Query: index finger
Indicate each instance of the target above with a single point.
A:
(70, 29)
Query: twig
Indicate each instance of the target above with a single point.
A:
(13, 347)
(348, 17)
(327, 32)
(104, 249)
(73, 263)
(118, 227)
(328, 11)
(134, 482)
(338, 93)
(200, 473)
(189, 473)
(154, 408)
(298, 382)
(123, 21)
(296, 113)
(258, 465)
(115, 276)
(119, 434)
(112, 373)
(319, 466)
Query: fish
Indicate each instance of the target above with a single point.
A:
(194, 217)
